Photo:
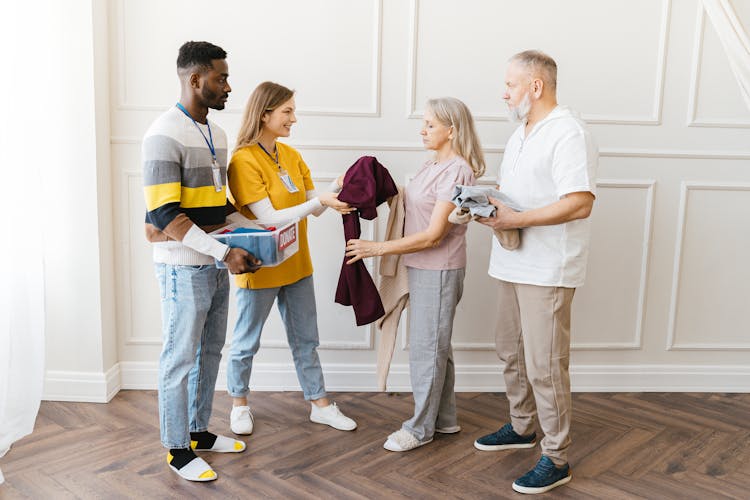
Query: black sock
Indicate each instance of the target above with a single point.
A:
(181, 457)
(204, 439)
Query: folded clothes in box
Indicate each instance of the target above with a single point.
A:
(258, 242)
(271, 245)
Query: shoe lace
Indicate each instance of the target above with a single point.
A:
(506, 431)
(543, 469)
(336, 410)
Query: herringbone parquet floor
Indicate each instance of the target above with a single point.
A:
(625, 445)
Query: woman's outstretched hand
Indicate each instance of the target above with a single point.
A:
(331, 200)
(360, 249)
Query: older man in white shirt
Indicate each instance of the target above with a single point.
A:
(549, 166)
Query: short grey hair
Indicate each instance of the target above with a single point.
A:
(539, 64)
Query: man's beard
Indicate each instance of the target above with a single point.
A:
(521, 112)
(212, 99)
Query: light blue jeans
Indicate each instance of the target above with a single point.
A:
(194, 303)
(433, 297)
(296, 304)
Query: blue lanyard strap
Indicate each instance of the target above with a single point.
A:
(209, 143)
(275, 159)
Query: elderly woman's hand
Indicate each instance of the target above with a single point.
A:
(360, 249)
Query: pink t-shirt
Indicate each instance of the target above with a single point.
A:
(435, 182)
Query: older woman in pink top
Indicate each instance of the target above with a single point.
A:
(436, 260)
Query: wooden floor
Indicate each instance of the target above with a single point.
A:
(625, 445)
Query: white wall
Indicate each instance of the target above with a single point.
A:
(669, 280)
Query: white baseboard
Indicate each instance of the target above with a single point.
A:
(84, 387)
(660, 378)
(481, 378)
(101, 387)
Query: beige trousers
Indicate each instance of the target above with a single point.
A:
(533, 340)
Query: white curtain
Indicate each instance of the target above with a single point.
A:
(21, 296)
(21, 287)
(734, 39)
(22, 133)
(21, 346)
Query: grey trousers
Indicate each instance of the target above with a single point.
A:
(433, 297)
(533, 339)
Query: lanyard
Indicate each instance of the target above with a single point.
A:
(274, 158)
(283, 175)
(218, 184)
(210, 139)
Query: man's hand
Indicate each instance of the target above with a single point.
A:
(572, 206)
(240, 261)
(504, 218)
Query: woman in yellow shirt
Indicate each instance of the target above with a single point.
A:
(270, 182)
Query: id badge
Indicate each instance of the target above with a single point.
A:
(288, 183)
(216, 171)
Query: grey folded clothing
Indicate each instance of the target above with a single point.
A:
(476, 199)
(473, 201)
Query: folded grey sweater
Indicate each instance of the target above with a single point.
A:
(476, 199)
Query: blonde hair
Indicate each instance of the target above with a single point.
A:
(451, 112)
(538, 64)
(265, 98)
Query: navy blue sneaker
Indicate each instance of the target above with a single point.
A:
(543, 477)
(505, 439)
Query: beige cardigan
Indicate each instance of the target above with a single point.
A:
(393, 288)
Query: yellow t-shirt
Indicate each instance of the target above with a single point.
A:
(252, 176)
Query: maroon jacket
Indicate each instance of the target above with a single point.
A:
(367, 184)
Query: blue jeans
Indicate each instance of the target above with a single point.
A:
(297, 308)
(194, 303)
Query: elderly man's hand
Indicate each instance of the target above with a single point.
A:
(504, 218)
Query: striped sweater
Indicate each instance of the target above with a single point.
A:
(181, 200)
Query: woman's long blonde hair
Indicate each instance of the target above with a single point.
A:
(265, 98)
(451, 112)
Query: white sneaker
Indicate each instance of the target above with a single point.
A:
(331, 415)
(241, 420)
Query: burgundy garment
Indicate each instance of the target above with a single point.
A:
(367, 184)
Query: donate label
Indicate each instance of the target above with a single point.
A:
(287, 236)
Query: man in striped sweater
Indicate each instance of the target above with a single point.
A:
(184, 175)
